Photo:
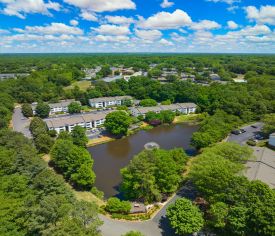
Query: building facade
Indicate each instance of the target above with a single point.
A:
(104, 102)
(68, 122)
(58, 107)
(184, 108)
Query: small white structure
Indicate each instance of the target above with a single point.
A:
(271, 140)
(108, 101)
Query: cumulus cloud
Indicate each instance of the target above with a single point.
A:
(205, 25)
(166, 4)
(74, 22)
(165, 42)
(119, 20)
(20, 8)
(176, 37)
(232, 25)
(102, 5)
(148, 34)
(112, 30)
(166, 20)
(89, 16)
(3, 31)
(264, 15)
(54, 28)
(108, 38)
(225, 1)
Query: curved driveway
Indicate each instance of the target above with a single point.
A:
(156, 226)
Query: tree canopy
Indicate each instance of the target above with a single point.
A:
(117, 122)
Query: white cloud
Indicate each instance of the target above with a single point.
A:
(225, 1)
(254, 30)
(176, 37)
(264, 15)
(112, 30)
(165, 42)
(148, 34)
(120, 20)
(166, 20)
(232, 25)
(166, 4)
(20, 8)
(205, 25)
(90, 16)
(108, 38)
(74, 22)
(3, 31)
(54, 28)
(102, 5)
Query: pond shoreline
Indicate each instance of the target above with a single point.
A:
(114, 154)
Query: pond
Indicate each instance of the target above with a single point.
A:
(110, 157)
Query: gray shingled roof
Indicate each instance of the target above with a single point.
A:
(107, 99)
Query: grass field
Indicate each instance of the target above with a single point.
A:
(83, 85)
(185, 118)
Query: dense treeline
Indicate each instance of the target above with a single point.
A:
(152, 174)
(33, 199)
(230, 204)
(232, 63)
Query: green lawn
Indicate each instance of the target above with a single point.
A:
(83, 85)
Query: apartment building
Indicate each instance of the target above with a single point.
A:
(185, 108)
(108, 101)
(68, 122)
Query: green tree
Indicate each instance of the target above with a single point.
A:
(269, 124)
(148, 102)
(133, 233)
(42, 110)
(184, 217)
(153, 173)
(79, 136)
(27, 110)
(117, 123)
(43, 143)
(74, 107)
(114, 205)
(75, 162)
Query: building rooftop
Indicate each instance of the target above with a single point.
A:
(107, 99)
(263, 168)
(67, 120)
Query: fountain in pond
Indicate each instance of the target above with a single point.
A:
(151, 146)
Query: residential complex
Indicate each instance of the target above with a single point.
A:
(108, 101)
(68, 122)
(185, 108)
(61, 106)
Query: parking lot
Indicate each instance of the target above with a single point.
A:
(95, 133)
(249, 133)
(20, 123)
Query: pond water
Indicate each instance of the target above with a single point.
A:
(110, 157)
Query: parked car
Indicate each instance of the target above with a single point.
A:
(236, 132)
(242, 130)
(259, 137)
(254, 126)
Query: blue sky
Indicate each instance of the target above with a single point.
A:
(230, 26)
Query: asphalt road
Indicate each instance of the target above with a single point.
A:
(20, 123)
(156, 226)
(250, 133)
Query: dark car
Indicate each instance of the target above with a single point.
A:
(254, 126)
(236, 132)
